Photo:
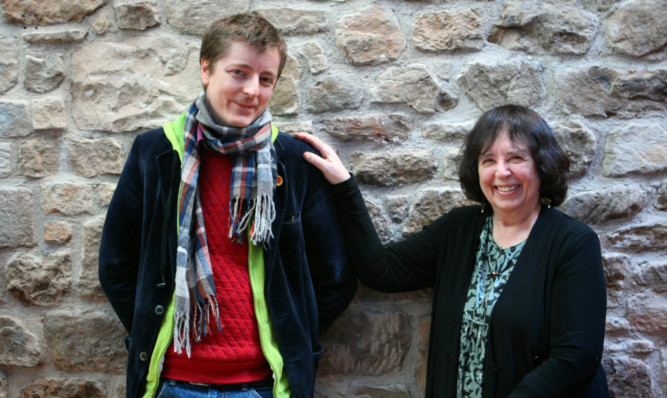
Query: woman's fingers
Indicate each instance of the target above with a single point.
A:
(329, 163)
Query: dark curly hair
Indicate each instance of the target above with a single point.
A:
(527, 127)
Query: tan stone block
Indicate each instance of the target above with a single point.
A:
(89, 285)
(648, 35)
(413, 85)
(650, 236)
(194, 16)
(39, 158)
(136, 14)
(5, 158)
(70, 387)
(58, 233)
(396, 168)
(92, 157)
(635, 149)
(39, 280)
(428, 205)
(105, 192)
(334, 94)
(296, 22)
(16, 212)
(454, 30)
(605, 204)
(19, 347)
(49, 114)
(53, 36)
(579, 143)
(391, 128)
(285, 98)
(9, 63)
(44, 74)
(48, 12)
(69, 198)
(315, 56)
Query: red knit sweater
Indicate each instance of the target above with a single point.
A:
(235, 354)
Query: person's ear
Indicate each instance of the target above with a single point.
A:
(205, 68)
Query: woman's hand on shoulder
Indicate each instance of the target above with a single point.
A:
(329, 163)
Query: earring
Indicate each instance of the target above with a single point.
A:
(546, 202)
(483, 206)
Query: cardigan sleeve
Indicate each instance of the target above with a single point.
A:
(576, 319)
(403, 266)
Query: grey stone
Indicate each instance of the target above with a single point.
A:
(430, 204)
(4, 384)
(599, 5)
(5, 159)
(448, 132)
(616, 266)
(305, 126)
(9, 63)
(648, 313)
(58, 232)
(652, 275)
(285, 97)
(19, 347)
(49, 114)
(371, 36)
(39, 280)
(296, 22)
(67, 197)
(331, 94)
(105, 191)
(640, 238)
(70, 388)
(453, 30)
(579, 143)
(628, 377)
(136, 14)
(101, 24)
(661, 197)
(92, 157)
(394, 168)
(647, 17)
(85, 341)
(89, 284)
(548, 26)
(315, 56)
(56, 36)
(18, 225)
(413, 85)
(635, 149)
(39, 158)
(616, 202)
(612, 92)
(195, 16)
(376, 127)
(516, 82)
(48, 12)
(44, 74)
(380, 220)
(15, 118)
(367, 344)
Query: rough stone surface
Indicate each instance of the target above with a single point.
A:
(58, 232)
(15, 116)
(548, 26)
(39, 158)
(56, 36)
(91, 157)
(71, 388)
(367, 344)
(393, 168)
(449, 31)
(89, 285)
(643, 16)
(648, 313)
(428, 205)
(616, 266)
(332, 94)
(101, 24)
(447, 132)
(3, 384)
(515, 82)
(639, 238)
(635, 149)
(378, 127)
(67, 197)
(18, 226)
(297, 22)
(5, 159)
(380, 218)
(44, 74)
(39, 280)
(49, 114)
(371, 36)
(285, 98)
(85, 341)
(105, 191)
(652, 275)
(618, 202)
(194, 16)
(628, 377)
(609, 92)
(135, 14)
(315, 56)
(413, 85)
(9, 63)
(661, 197)
(579, 143)
(19, 347)
(35, 12)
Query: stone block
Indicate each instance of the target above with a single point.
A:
(44, 74)
(635, 149)
(616, 266)
(18, 225)
(374, 128)
(296, 22)
(48, 12)
(68, 197)
(56, 36)
(49, 114)
(334, 94)
(58, 232)
(493, 84)
(89, 285)
(39, 280)
(305, 126)
(39, 158)
(648, 35)
(285, 98)
(367, 344)
(105, 192)
(413, 85)
(70, 388)
(4, 384)
(371, 36)
(136, 14)
(661, 197)
(85, 341)
(16, 117)
(579, 143)
(19, 347)
(544, 27)
(448, 31)
(612, 92)
(651, 275)
(194, 16)
(5, 159)
(382, 224)
(315, 56)
(92, 157)
(613, 203)
(639, 238)
(428, 205)
(9, 63)
(628, 377)
(448, 132)
(390, 169)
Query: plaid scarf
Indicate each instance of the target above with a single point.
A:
(254, 176)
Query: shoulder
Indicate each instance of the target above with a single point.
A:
(287, 144)
(564, 223)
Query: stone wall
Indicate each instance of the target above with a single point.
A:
(395, 85)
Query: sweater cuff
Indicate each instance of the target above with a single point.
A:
(345, 187)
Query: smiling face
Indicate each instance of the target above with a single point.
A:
(508, 178)
(239, 85)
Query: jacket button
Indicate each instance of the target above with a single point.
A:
(143, 356)
(159, 310)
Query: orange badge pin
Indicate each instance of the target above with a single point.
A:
(279, 182)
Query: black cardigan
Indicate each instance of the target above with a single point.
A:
(547, 327)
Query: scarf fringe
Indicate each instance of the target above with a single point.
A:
(265, 213)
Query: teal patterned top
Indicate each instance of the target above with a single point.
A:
(493, 266)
